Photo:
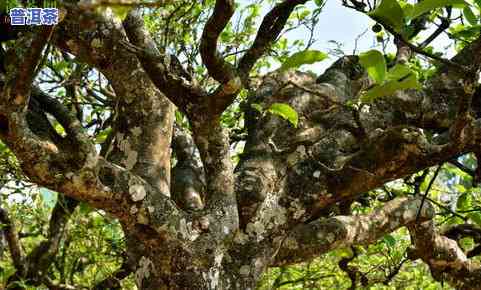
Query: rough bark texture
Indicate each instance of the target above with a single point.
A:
(272, 209)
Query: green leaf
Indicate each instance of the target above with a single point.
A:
(120, 11)
(375, 64)
(389, 12)
(257, 107)
(408, 10)
(475, 217)
(319, 2)
(303, 57)
(470, 16)
(84, 208)
(428, 5)
(464, 201)
(398, 72)
(178, 117)
(49, 198)
(285, 111)
(390, 240)
(390, 87)
(102, 136)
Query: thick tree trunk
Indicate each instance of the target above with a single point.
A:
(278, 206)
(160, 264)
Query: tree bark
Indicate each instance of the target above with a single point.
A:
(281, 203)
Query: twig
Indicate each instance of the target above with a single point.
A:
(427, 191)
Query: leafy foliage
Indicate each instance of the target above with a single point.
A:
(430, 5)
(303, 57)
(374, 63)
(399, 77)
(390, 12)
(94, 246)
(285, 111)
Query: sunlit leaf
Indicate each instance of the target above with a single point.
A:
(390, 87)
(120, 11)
(375, 64)
(258, 107)
(470, 16)
(389, 12)
(49, 198)
(178, 117)
(428, 5)
(475, 217)
(102, 136)
(390, 240)
(464, 201)
(408, 10)
(285, 111)
(398, 72)
(85, 208)
(303, 57)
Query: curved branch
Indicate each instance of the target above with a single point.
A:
(217, 66)
(142, 148)
(308, 241)
(165, 71)
(73, 167)
(269, 30)
(27, 57)
(444, 257)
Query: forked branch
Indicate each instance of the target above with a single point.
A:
(271, 27)
(218, 68)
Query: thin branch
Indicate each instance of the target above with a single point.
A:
(113, 281)
(40, 259)
(303, 279)
(431, 182)
(270, 28)
(462, 167)
(445, 23)
(405, 42)
(457, 232)
(421, 51)
(394, 272)
(352, 272)
(11, 235)
(447, 209)
(28, 58)
(68, 121)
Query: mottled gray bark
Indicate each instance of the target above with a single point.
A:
(269, 210)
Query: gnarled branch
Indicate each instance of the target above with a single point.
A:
(217, 66)
(307, 241)
(164, 70)
(444, 257)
